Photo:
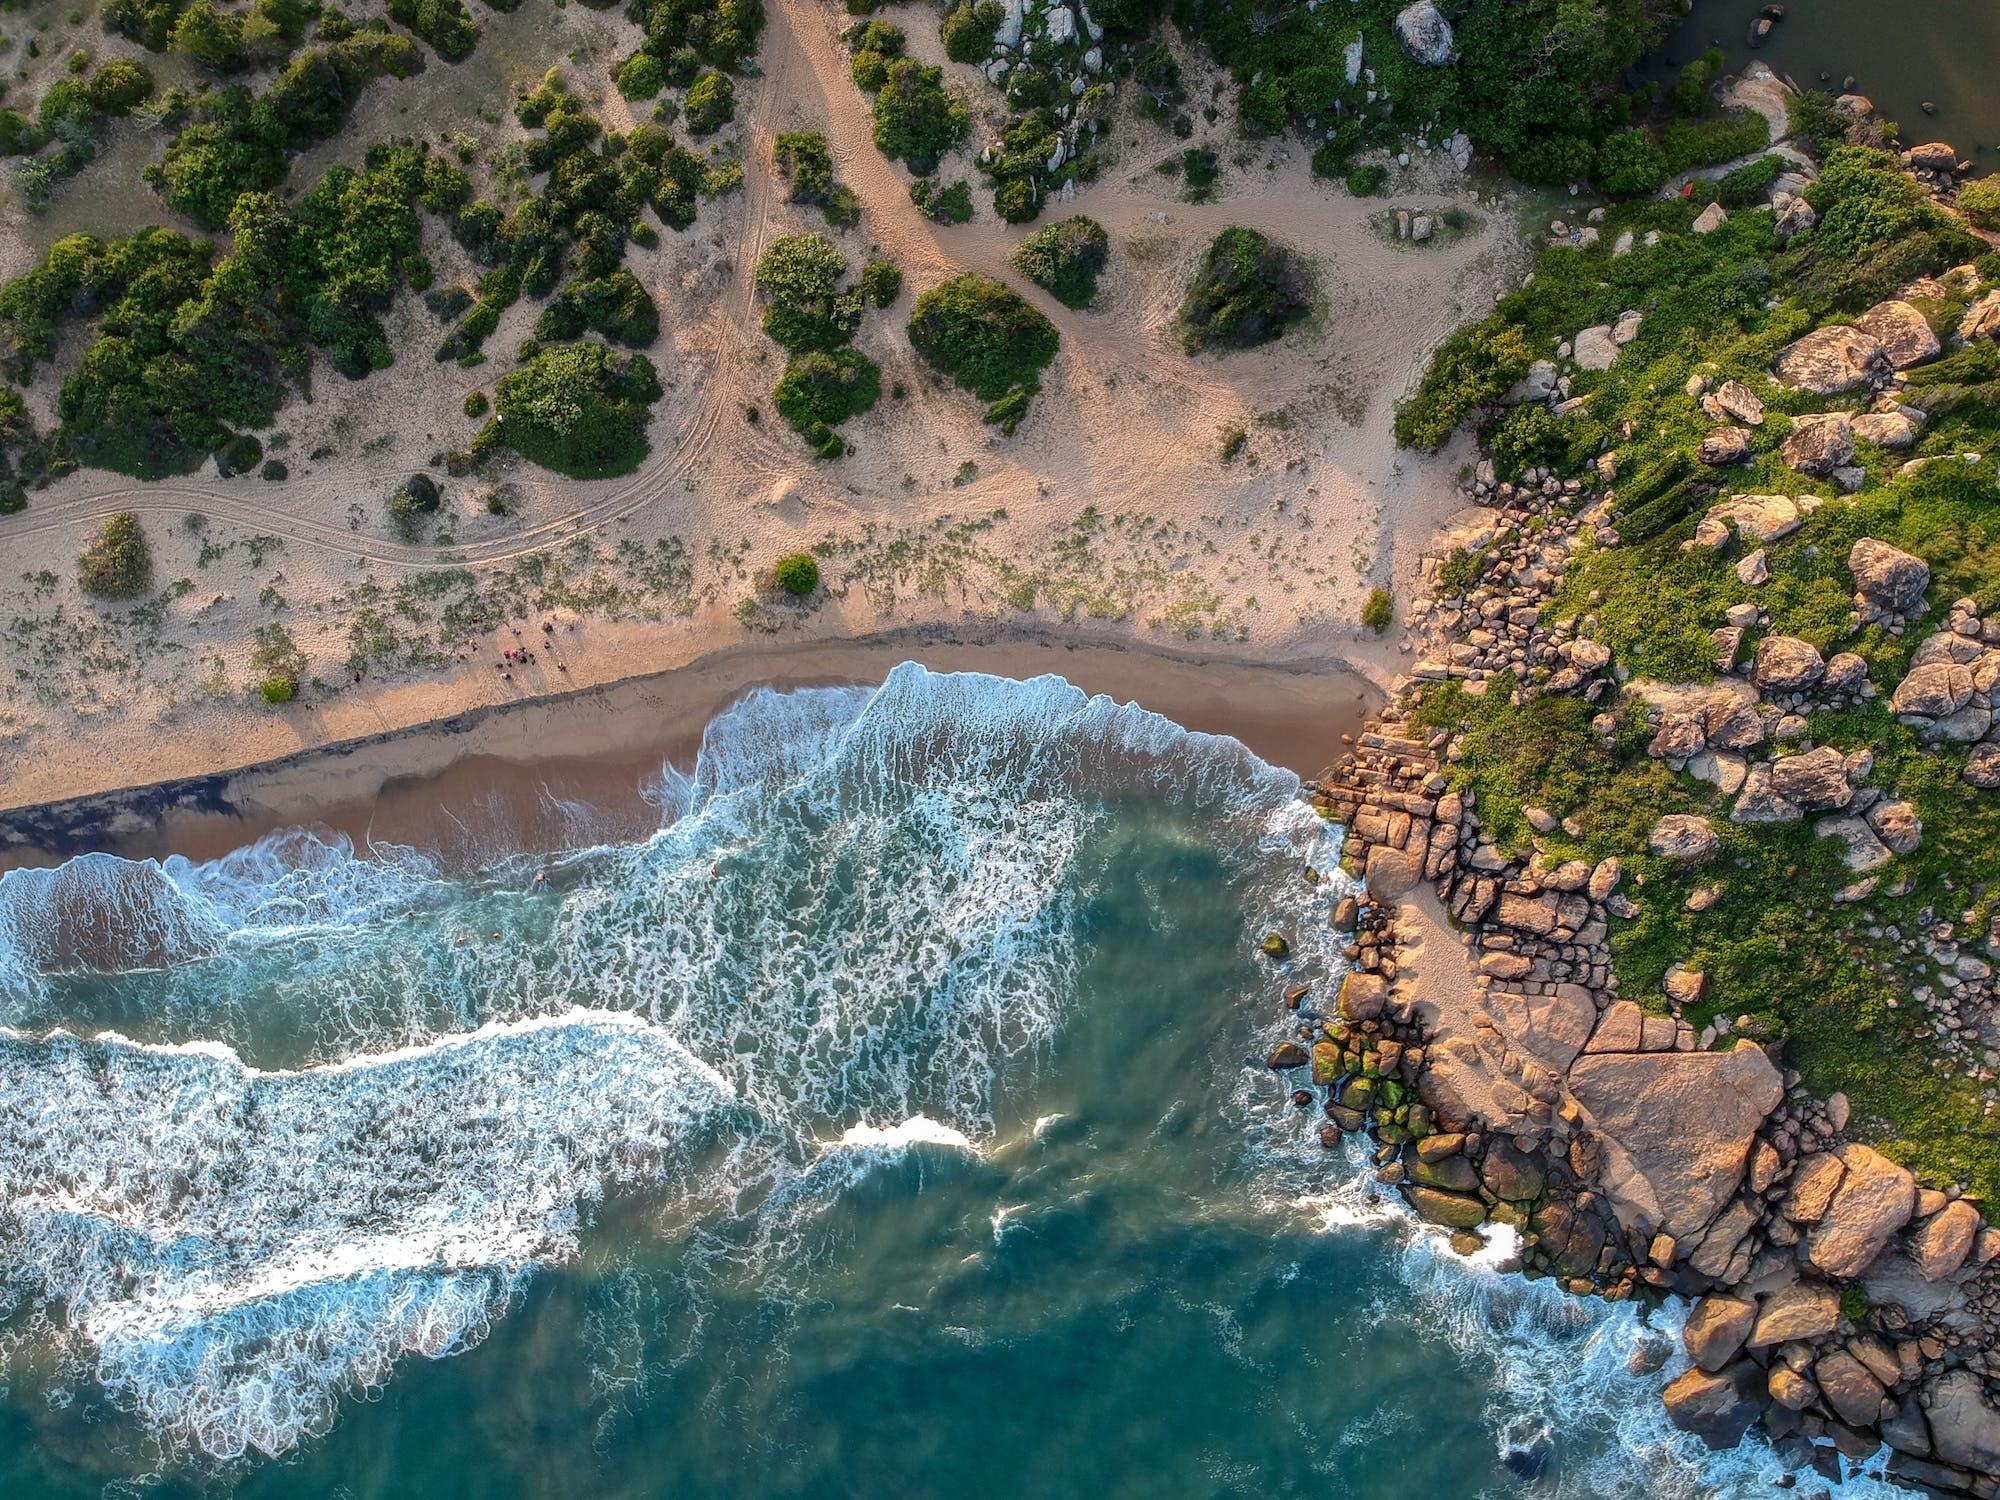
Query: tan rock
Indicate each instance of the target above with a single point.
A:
(1874, 1200)
(1683, 836)
(1786, 664)
(1804, 1310)
(1718, 1408)
(1833, 359)
(1939, 1245)
(1819, 443)
(1678, 1126)
(1903, 332)
(1813, 1184)
(1715, 1330)
(1790, 1389)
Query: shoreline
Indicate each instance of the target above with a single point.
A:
(463, 782)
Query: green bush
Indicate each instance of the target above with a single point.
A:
(797, 574)
(1710, 142)
(711, 103)
(881, 282)
(211, 37)
(1628, 162)
(411, 501)
(640, 77)
(274, 470)
(1247, 292)
(118, 86)
(1527, 436)
(822, 388)
(1065, 259)
(616, 305)
(476, 403)
(446, 24)
(1475, 365)
(278, 690)
(722, 33)
(239, 455)
(969, 29)
(800, 274)
(951, 205)
(1980, 202)
(918, 119)
(1368, 179)
(1745, 186)
(1378, 611)
(804, 159)
(577, 409)
(987, 338)
(876, 44)
(116, 563)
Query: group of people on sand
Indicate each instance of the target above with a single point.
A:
(520, 654)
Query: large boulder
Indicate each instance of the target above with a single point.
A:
(1786, 664)
(1965, 1427)
(1853, 1393)
(1678, 1128)
(1939, 1245)
(1827, 361)
(1888, 582)
(1716, 1407)
(1814, 1182)
(1759, 801)
(1425, 35)
(1819, 443)
(1897, 825)
(1715, 1330)
(1803, 1311)
(1683, 836)
(1813, 781)
(1760, 518)
(1885, 429)
(1935, 690)
(1903, 332)
(1874, 1200)
(1595, 348)
(1452, 1210)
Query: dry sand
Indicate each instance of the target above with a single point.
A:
(1109, 518)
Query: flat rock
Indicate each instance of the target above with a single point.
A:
(1887, 580)
(1717, 1407)
(1805, 1310)
(1830, 360)
(1965, 1428)
(1452, 1210)
(1683, 836)
(1874, 1200)
(1758, 518)
(1885, 429)
(1736, 401)
(1595, 349)
(1715, 1330)
(1723, 447)
(1819, 443)
(1815, 781)
(1849, 1388)
(1425, 35)
(1680, 1126)
(1813, 1184)
(1903, 332)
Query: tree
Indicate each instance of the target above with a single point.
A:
(1065, 258)
(969, 30)
(985, 336)
(116, 563)
(577, 409)
(1248, 292)
(711, 103)
(918, 119)
(801, 275)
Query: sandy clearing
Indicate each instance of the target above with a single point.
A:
(1266, 563)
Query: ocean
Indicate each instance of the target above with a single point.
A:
(891, 1122)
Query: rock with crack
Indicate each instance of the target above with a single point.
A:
(1685, 837)
(1425, 35)
(1833, 359)
(1678, 1128)
(1723, 447)
(1595, 349)
(1819, 443)
(1940, 1244)
(1734, 401)
(1965, 1427)
(1757, 518)
(1897, 825)
(1786, 664)
(1714, 1332)
(1982, 319)
(1759, 801)
(1874, 1200)
(1799, 1313)
(1889, 583)
(1903, 332)
(1815, 781)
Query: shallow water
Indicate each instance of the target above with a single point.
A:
(888, 1123)
(1900, 56)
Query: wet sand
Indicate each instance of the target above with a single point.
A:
(553, 771)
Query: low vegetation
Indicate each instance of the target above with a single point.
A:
(1248, 291)
(1065, 259)
(116, 563)
(985, 336)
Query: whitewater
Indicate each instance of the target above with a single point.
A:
(915, 1052)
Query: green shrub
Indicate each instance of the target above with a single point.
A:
(1234, 440)
(876, 44)
(211, 37)
(918, 119)
(804, 159)
(476, 403)
(1368, 179)
(1691, 89)
(881, 282)
(968, 30)
(1554, 160)
(446, 24)
(1065, 259)
(1628, 162)
(1745, 186)
(951, 205)
(239, 455)
(278, 690)
(1710, 142)
(1378, 611)
(411, 501)
(274, 470)
(1199, 171)
(118, 86)
(800, 274)
(987, 338)
(116, 563)
(822, 388)
(1247, 292)
(640, 76)
(797, 574)
(1980, 202)
(1475, 365)
(711, 103)
(1527, 436)
(616, 305)
(577, 409)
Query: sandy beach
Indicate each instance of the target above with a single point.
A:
(543, 773)
(1110, 519)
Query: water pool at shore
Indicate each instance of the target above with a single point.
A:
(889, 1123)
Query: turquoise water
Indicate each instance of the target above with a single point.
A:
(889, 1123)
